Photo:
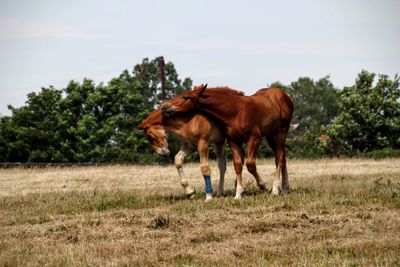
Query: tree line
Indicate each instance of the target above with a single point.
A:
(362, 119)
(88, 122)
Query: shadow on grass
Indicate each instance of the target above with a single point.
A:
(171, 198)
(77, 202)
(255, 191)
(230, 193)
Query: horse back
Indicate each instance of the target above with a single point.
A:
(276, 106)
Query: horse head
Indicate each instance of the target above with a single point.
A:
(185, 102)
(157, 136)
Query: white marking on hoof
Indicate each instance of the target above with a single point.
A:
(238, 196)
(208, 197)
(239, 192)
(190, 191)
(275, 191)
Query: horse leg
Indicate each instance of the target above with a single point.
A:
(277, 143)
(202, 147)
(184, 151)
(238, 155)
(252, 148)
(221, 166)
(285, 176)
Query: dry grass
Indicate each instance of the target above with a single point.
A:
(340, 212)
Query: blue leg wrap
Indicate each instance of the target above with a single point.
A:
(207, 180)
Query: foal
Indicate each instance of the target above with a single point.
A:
(196, 132)
(245, 119)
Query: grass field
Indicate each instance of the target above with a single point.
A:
(340, 212)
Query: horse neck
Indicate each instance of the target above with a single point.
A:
(174, 124)
(216, 106)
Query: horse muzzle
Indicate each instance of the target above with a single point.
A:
(163, 151)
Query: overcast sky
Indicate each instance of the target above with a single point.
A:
(243, 44)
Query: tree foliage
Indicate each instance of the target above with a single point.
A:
(369, 116)
(315, 102)
(31, 134)
(85, 122)
(148, 77)
(315, 105)
(88, 122)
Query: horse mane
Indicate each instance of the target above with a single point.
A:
(225, 90)
(153, 118)
(263, 90)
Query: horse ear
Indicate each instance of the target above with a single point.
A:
(202, 89)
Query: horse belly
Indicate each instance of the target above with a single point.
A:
(238, 135)
(201, 127)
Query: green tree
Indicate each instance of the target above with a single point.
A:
(86, 122)
(99, 120)
(76, 106)
(147, 75)
(315, 105)
(315, 102)
(121, 108)
(369, 116)
(11, 150)
(31, 133)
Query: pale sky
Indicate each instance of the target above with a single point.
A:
(242, 44)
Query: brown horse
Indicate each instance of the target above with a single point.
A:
(196, 132)
(245, 119)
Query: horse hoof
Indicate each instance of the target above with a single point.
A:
(237, 197)
(208, 197)
(285, 191)
(263, 186)
(275, 191)
(190, 194)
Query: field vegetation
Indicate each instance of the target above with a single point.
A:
(340, 212)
